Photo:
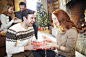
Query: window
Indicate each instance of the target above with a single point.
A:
(31, 4)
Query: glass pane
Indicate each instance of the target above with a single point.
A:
(31, 4)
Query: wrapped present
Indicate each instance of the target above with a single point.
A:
(46, 28)
(2, 33)
(41, 45)
(41, 29)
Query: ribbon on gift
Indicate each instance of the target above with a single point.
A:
(41, 45)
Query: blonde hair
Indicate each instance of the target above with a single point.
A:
(64, 20)
(5, 9)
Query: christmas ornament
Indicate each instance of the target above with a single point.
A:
(41, 15)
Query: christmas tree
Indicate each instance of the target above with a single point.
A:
(41, 15)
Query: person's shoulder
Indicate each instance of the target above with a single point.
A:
(73, 29)
(72, 32)
(16, 12)
(15, 27)
(3, 15)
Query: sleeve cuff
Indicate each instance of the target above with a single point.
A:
(21, 49)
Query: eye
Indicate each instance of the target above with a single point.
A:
(54, 18)
(31, 17)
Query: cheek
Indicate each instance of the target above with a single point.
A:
(8, 10)
(54, 21)
(28, 21)
(21, 9)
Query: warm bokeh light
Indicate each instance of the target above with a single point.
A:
(82, 25)
(31, 4)
(17, 9)
(85, 15)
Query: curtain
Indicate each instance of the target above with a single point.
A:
(63, 4)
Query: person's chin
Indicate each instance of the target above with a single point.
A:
(30, 26)
(10, 12)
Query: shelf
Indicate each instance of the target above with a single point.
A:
(55, 3)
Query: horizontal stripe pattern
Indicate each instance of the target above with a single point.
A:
(12, 35)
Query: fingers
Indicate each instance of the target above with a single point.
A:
(48, 43)
(15, 18)
(30, 47)
(44, 37)
(35, 47)
(47, 47)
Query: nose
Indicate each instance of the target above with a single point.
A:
(21, 10)
(53, 21)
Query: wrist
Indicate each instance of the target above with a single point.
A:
(25, 47)
(58, 47)
(12, 20)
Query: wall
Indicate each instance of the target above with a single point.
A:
(76, 11)
(16, 3)
(3, 3)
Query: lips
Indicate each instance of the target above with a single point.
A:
(10, 12)
(31, 23)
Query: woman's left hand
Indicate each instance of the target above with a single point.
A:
(49, 45)
(45, 38)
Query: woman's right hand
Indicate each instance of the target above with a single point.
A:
(14, 18)
(29, 47)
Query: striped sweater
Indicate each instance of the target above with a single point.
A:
(17, 37)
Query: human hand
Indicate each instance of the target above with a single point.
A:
(14, 18)
(29, 47)
(45, 38)
(48, 45)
